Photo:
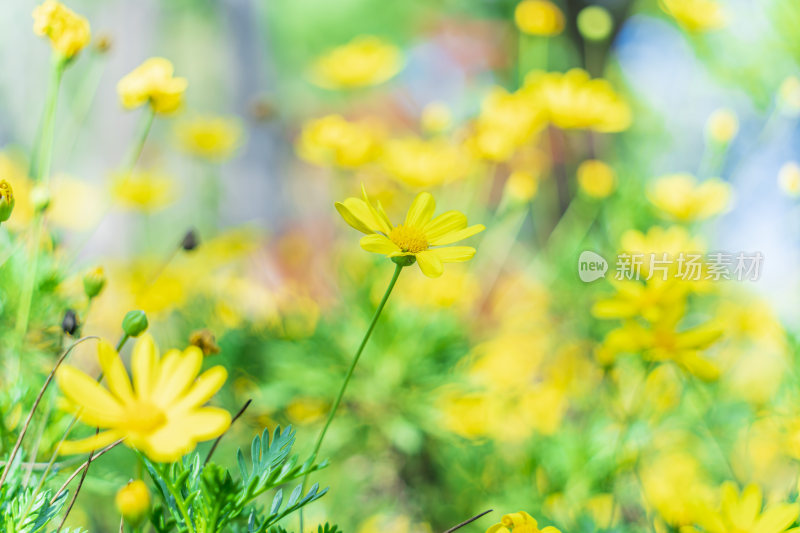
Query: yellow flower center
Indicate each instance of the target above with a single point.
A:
(408, 239)
(144, 417)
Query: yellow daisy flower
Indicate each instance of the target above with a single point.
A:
(420, 237)
(214, 138)
(68, 32)
(152, 82)
(365, 61)
(160, 413)
(682, 198)
(520, 522)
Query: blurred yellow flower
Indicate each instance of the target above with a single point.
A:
(6, 200)
(789, 178)
(424, 163)
(68, 32)
(506, 122)
(520, 522)
(457, 289)
(789, 95)
(675, 484)
(521, 185)
(215, 138)
(575, 101)
(421, 237)
(633, 299)
(695, 15)
(143, 190)
(384, 523)
(152, 82)
(436, 118)
(596, 178)
(680, 197)
(160, 413)
(539, 17)
(76, 205)
(334, 141)
(742, 512)
(365, 61)
(722, 126)
(304, 411)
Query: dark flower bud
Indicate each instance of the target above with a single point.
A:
(70, 323)
(190, 241)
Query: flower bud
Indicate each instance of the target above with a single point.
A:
(190, 241)
(539, 17)
(6, 200)
(722, 126)
(94, 281)
(596, 178)
(40, 198)
(133, 502)
(70, 323)
(595, 23)
(135, 323)
(521, 186)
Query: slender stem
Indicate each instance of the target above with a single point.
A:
(38, 399)
(349, 374)
(468, 521)
(356, 357)
(234, 419)
(122, 341)
(176, 495)
(78, 488)
(136, 149)
(41, 174)
(82, 467)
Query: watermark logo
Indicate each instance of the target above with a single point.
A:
(715, 266)
(591, 266)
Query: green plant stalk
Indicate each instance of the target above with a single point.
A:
(349, 374)
(179, 502)
(136, 148)
(41, 173)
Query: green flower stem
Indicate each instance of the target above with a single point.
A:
(175, 493)
(136, 148)
(349, 374)
(122, 341)
(40, 170)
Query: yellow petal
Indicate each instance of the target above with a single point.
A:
(380, 218)
(613, 308)
(455, 236)
(454, 254)
(177, 372)
(745, 513)
(430, 264)
(421, 210)
(95, 442)
(144, 365)
(114, 371)
(203, 389)
(378, 244)
(182, 433)
(447, 222)
(777, 518)
(356, 213)
(90, 396)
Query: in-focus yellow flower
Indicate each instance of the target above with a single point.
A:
(695, 15)
(789, 178)
(575, 101)
(152, 82)
(596, 178)
(722, 126)
(681, 198)
(421, 237)
(436, 118)
(133, 502)
(215, 138)
(424, 163)
(742, 512)
(539, 17)
(363, 62)
(68, 32)
(160, 413)
(520, 522)
(143, 190)
(333, 140)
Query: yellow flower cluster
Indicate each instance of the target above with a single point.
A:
(334, 141)
(365, 61)
(152, 83)
(520, 522)
(422, 163)
(146, 191)
(681, 198)
(68, 32)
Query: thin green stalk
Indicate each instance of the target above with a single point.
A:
(40, 170)
(349, 374)
(164, 471)
(136, 149)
